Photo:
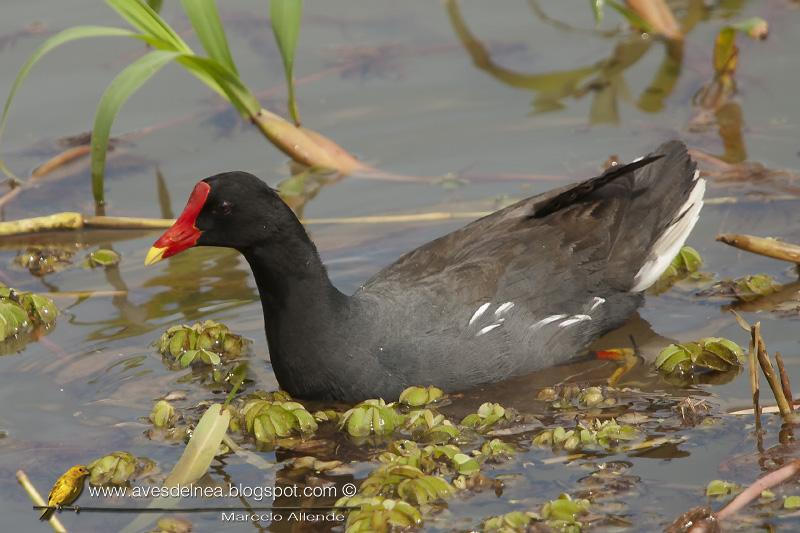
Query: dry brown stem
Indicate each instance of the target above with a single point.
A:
(763, 246)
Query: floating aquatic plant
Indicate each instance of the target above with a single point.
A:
(420, 396)
(269, 418)
(510, 522)
(208, 342)
(428, 426)
(371, 417)
(163, 414)
(103, 257)
(377, 513)
(496, 450)
(571, 396)
(719, 488)
(407, 482)
(21, 311)
(312, 463)
(41, 261)
(117, 468)
(562, 513)
(596, 435)
(684, 265)
(327, 415)
(488, 415)
(791, 502)
(713, 354)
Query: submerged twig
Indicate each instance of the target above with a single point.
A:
(769, 373)
(763, 246)
(786, 386)
(76, 221)
(752, 356)
(37, 499)
(754, 491)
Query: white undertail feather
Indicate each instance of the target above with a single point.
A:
(669, 243)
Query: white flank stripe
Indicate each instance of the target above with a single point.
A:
(487, 329)
(597, 301)
(503, 308)
(574, 320)
(478, 313)
(547, 320)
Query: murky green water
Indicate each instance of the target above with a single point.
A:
(392, 82)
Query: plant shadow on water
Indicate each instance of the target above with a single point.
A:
(85, 388)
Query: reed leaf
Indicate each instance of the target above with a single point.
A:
(70, 34)
(158, 34)
(205, 20)
(285, 16)
(202, 447)
(134, 76)
(117, 93)
(155, 5)
(597, 10)
(146, 20)
(233, 88)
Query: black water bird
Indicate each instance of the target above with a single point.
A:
(526, 287)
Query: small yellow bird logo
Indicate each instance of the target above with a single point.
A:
(65, 490)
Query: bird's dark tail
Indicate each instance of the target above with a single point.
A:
(651, 204)
(667, 199)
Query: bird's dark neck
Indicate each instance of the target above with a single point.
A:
(291, 275)
(301, 306)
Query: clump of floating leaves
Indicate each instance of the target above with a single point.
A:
(596, 435)
(573, 397)
(206, 342)
(102, 257)
(420, 396)
(510, 522)
(117, 468)
(747, 288)
(562, 513)
(379, 513)
(685, 265)
(429, 426)
(719, 488)
(712, 355)
(559, 515)
(441, 458)
(487, 415)
(371, 417)
(41, 261)
(269, 416)
(22, 311)
(406, 482)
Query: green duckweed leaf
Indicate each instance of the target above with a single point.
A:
(104, 258)
(719, 488)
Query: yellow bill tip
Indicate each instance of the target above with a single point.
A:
(154, 255)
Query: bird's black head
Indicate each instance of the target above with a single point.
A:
(233, 210)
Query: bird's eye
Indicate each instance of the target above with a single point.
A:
(226, 207)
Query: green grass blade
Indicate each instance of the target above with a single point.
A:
(597, 9)
(159, 34)
(71, 34)
(115, 95)
(155, 5)
(234, 90)
(286, 16)
(145, 19)
(205, 20)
